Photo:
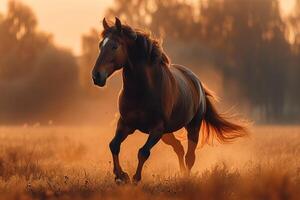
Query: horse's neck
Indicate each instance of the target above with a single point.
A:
(142, 76)
(154, 82)
(135, 79)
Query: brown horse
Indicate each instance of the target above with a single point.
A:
(157, 98)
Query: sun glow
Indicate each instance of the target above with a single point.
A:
(287, 6)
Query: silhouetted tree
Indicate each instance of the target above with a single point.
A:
(19, 41)
(294, 79)
(35, 76)
(252, 36)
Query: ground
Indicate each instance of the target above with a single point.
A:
(49, 162)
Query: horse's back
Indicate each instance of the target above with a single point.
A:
(189, 97)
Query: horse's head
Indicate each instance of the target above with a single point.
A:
(113, 51)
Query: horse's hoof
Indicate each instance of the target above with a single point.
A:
(119, 181)
(136, 179)
(122, 179)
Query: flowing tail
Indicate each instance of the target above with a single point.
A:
(216, 125)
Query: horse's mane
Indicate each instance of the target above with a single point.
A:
(153, 48)
(150, 48)
(155, 54)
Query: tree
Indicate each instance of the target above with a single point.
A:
(250, 37)
(294, 80)
(35, 75)
(174, 17)
(19, 41)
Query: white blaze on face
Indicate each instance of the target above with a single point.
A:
(105, 41)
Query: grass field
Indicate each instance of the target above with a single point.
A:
(75, 163)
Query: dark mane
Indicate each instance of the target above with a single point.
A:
(153, 48)
(156, 56)
(149, 48)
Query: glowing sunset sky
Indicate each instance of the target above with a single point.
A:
(67, 20)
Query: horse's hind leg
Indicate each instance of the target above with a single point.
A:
(193, 129)
(171, 140)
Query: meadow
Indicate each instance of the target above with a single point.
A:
(68, 162)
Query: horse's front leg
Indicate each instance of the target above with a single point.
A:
(144, 152)
(121, 134)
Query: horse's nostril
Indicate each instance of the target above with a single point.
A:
(96, 75)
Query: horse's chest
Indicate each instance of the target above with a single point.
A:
(137, 116)
(141, 116)
(139, 119)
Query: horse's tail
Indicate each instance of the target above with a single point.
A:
(216, 125)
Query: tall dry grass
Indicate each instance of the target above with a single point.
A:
(74, 163)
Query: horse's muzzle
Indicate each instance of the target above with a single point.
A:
(99, 79)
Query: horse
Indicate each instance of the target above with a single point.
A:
(157, 98)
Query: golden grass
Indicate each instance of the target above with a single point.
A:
(74, 163)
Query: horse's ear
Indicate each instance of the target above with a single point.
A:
(118, 24)
(105, 24)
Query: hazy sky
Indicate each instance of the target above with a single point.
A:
(67, 20)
